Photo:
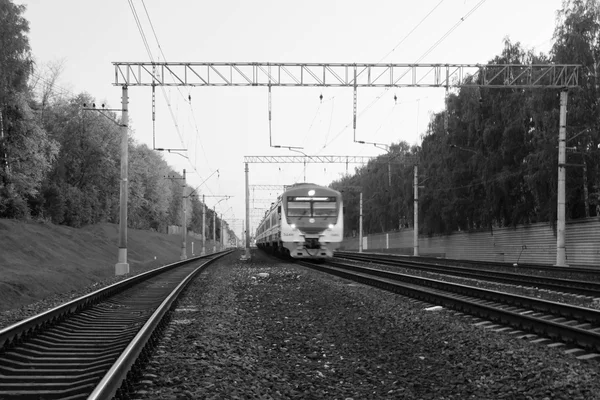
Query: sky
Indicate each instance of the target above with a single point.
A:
(221, 125)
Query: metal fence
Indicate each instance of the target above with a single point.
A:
(535, 243)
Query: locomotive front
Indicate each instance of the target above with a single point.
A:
(312, 221)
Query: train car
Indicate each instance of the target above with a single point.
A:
(306, 221)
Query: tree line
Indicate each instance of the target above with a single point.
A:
(496, 163)
(60, 163)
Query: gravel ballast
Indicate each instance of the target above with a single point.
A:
(269, 329)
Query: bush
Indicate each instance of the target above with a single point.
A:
(12, 205)
(54, 203)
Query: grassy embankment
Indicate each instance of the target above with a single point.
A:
(38, 260)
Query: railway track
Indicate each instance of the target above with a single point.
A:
(576, 326)
(475, 264)
(91, 347)
(590, 287)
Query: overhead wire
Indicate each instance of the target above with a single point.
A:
(189, 97)
(312, 123)
(460, 21)
(140, 29)
(330, 119)
(167, 98)
(53, 85)
(452, 29)
(382, 58)
(411, 31)
(150, 55)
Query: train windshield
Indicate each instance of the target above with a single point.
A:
(311, 207)
(298, 208)
(324, 209)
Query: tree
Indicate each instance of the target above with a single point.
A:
(26, 152)
(149, 191)
(15, 57)
(85, 173)
(577, 40)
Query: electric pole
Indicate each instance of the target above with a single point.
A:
(203, 227)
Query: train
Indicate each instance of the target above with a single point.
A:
(306, 221)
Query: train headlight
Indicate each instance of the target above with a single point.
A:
(293, 226)
(330, 226)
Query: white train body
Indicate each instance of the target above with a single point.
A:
(306, 221)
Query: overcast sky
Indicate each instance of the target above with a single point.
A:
(222, 125)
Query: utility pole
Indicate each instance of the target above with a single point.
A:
(561, 256)
(360, 227)
(183, 222)
(183, 218)
(416, 211)
(247, 251)
(122, 267)
(223, 197)
(203, 226)
(214, 229)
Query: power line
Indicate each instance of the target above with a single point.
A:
(451, 29)
(143, 35)
(412, 30)
(140, 29)
(153, 31)
(53, 85)
(188, 100)
(462, 19)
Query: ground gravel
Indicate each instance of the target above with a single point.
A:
(270, 330)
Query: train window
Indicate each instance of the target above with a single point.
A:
(324, 209)
(298, 208)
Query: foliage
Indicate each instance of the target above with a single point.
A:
(496, 164)
(61, 163)
(26, 153)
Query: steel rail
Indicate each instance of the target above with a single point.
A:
(475, 263)
(568, 311)
(20, 330)
(114, 383)
(587, 288)
(66, 351)
(437, 292)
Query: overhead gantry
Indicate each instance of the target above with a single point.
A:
(351, 75)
